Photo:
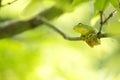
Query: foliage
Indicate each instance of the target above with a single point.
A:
(41, 53)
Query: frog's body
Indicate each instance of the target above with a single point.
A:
(88, 34)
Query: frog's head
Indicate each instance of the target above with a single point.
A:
(83, 29)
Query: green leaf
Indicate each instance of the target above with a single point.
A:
(66, 5)
(114, 3)
(100, 4)
(77, 2)
(36, 6)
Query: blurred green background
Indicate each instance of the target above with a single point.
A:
(43, 54)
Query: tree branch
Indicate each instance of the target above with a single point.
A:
(45, 21)
(17, 27)
(101, 21)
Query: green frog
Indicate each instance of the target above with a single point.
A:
(88, 34)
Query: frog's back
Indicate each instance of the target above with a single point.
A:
(84, 29)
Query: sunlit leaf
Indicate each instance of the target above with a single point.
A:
(114, 3)
(35, 7)
(77, 2)
(114, 28)
(66, 5)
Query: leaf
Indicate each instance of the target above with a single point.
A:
(114, 3)
(92, 40)
(77, 2)
(100, 4)
(66, 5)
(36, 6)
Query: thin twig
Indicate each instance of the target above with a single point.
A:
(0, 3)
(45, 21)
(109, 16)
(16, 27)
(119, 3)
(112, 13)
(101, 22)
(6, 3)
(19, 26)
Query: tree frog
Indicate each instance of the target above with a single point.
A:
(88, 34)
